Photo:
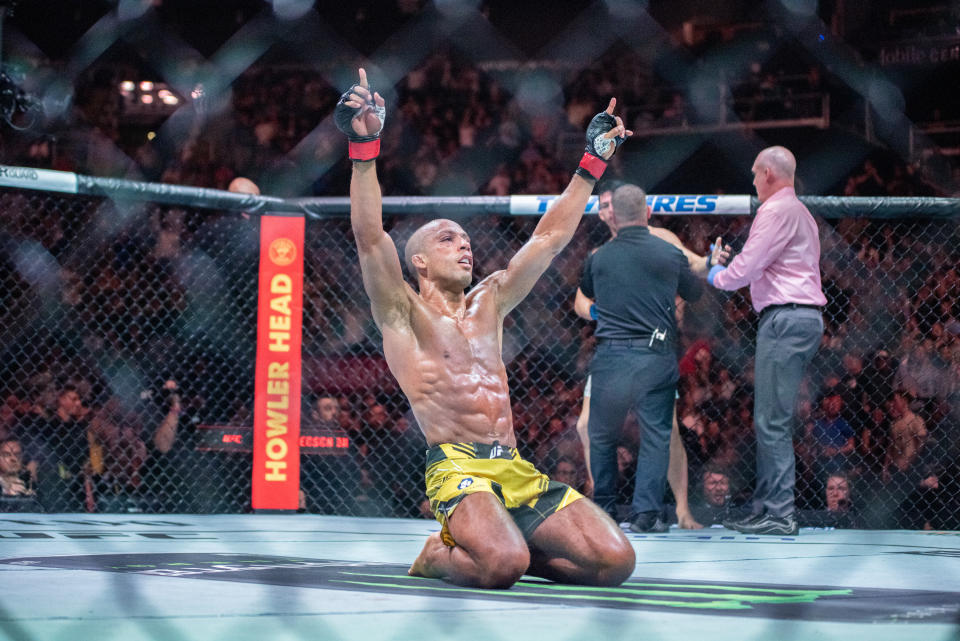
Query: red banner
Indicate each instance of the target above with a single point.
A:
(276, 406)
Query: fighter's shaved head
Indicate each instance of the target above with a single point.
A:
(415, 244)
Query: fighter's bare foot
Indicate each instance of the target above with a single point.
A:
(423, 566)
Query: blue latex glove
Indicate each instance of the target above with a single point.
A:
(716, 269)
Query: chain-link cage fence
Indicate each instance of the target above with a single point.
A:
(125, 325)
(876, 431)
(131, 326)
(129, 338)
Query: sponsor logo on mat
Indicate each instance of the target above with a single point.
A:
(824, 603)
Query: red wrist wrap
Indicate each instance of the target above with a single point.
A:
(593, 165)
(364, 150)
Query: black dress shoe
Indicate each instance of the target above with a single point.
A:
(648, 522)
(769, 524)
(736, 522)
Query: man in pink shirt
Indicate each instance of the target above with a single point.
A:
(781, 263)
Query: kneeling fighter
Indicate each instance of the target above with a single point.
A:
(501, 518)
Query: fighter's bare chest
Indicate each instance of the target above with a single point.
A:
(462, 343)
(464, 340)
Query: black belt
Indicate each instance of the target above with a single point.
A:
(649, 341)
(773, 308)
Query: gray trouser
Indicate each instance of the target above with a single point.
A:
(786, 342)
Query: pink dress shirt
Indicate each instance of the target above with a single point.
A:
(781, 258)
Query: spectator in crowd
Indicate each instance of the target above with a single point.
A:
(559, 439)
(908, 438)
(852, 392)
(922, 507)
(395, 461)
(879, 379)
(9, 418)
(61, 447)
(701, 432)
(325, 411)
(839, 500)
(566, 470)
(117, 455)
(839, 510)
(921, 374)
(330, 482)
(900, 494)
(172, 472)
(873, 440)
(833, 436)
(714, 502)
(866, 183)
(17, 482)
(781, 263)
(374, 428)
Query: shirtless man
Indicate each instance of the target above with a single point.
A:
(677, 471)
(500, 517)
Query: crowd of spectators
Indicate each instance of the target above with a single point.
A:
(459, 126)
(126, 326)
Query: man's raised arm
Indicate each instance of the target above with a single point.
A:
(555, 229)
(360, 115)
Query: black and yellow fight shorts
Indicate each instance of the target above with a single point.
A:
(455, 470)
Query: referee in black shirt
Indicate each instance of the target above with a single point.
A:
(634, 280)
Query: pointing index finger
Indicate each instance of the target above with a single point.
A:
(613, 103)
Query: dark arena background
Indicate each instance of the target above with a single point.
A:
(170, 410)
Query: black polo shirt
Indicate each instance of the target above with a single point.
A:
(634, 280)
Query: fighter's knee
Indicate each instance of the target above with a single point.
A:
(617, 561)
(504, 568)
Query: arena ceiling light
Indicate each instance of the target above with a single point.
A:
(148, 101)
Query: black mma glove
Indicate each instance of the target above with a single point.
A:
(360, 147)
(592, 164)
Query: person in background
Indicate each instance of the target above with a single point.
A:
(17, 482)
(840, 509)
(780, 261)
(677, 469)
(715, 502)
(61, 446)
(634, 279)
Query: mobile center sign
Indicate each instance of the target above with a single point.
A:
(276, 414)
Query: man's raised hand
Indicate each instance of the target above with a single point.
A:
(616, 133)
(360, 114)
(604, 134)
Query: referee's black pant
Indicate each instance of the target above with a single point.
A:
(632, 374)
